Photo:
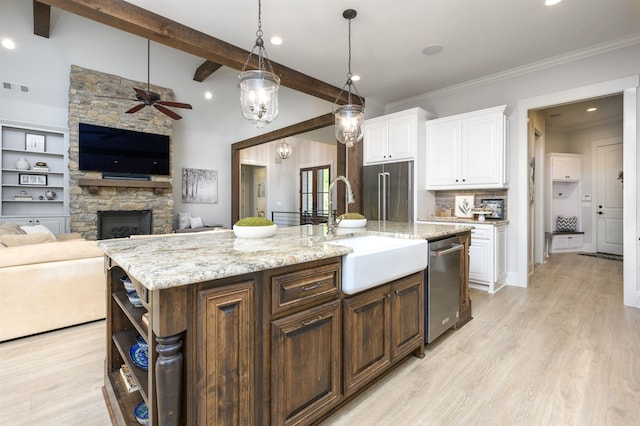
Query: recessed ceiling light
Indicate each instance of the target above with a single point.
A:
(276, 41)
(551, 2)
(208, 95)
(8, 43)
(592, 109)
(432, 49)
(355, 77)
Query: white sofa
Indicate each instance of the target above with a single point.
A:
(50, 285)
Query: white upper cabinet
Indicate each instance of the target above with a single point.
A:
(393, 137)
(567, 168)
(467, 151)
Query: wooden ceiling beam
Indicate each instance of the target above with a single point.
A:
(205, 70)
(41, 19)
(141, 22)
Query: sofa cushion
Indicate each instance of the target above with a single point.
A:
(49, 252)
(24, 240)
(38, 229)
(10, 228)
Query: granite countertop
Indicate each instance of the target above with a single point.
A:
(454, 219)
(164, 261)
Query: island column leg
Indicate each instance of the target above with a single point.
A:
(169, 367)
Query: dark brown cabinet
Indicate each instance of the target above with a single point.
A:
(305, 364)
(381, 326)
(226, 338)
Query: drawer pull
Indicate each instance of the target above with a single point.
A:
(312, 287)
(318, 318)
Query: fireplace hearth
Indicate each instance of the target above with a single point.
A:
(124, 223)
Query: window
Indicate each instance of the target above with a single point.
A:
(314, 194)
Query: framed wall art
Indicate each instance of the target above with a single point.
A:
(464, 206)
(28, 179)
(199, 186)
(34, 143)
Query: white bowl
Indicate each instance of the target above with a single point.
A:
(254, 231)
(352, 223)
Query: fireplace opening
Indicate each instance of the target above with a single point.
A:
(124, 223)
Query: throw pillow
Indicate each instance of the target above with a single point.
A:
(38, 229)
(183, 220)
(196, 222)
(23, 240)
(566, 224)
(10, 228)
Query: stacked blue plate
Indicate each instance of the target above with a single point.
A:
(139, 354)
(142, 413)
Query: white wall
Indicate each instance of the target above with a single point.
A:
(202, 138)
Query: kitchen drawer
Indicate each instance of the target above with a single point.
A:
(308, 285)
(481, 233)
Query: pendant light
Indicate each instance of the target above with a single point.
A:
(284, 150)
(259, 88)
(349, 117)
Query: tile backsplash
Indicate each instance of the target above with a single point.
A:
(445, 200)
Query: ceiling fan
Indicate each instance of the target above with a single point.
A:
(149, 98)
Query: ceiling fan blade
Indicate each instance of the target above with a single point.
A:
(167, 111)
(175, 104)
(142, 93)
(135, 109)
(114, 97)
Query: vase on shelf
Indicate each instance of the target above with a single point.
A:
(23, 164)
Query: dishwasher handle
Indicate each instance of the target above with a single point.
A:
(454, 247)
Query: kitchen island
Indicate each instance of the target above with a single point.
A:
(244, 331)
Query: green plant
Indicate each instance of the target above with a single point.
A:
(254, 221)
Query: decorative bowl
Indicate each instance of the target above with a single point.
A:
(352, 223)
(254, 231)
(142, 413)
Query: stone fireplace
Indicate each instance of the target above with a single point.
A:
(124, 223)
(85, 201)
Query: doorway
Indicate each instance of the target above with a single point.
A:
(626, 86)
(253, 190)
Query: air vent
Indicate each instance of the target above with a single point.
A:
(24, 89)
(6, 85)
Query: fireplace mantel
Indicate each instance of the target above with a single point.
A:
(95, 184)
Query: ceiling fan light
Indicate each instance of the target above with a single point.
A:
(259, 96)
(348, 124)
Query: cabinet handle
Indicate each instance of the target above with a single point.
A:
(316, 319)
(311, 287)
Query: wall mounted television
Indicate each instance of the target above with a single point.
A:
(120, 153)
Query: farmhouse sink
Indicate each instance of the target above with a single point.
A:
(377, 260)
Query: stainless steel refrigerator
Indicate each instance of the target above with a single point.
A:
(387, 192)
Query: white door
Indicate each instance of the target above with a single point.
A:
(609, 202)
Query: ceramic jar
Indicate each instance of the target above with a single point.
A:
(50, 195)
(23, 164)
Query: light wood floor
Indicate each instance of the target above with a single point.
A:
(562, 352)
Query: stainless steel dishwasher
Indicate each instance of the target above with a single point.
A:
(442, 295)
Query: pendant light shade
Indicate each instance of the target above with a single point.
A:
(349, 118)
(259, 88)
(284, 150)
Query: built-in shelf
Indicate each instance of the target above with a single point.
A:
(95, 184)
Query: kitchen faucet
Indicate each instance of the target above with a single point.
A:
(331, 221)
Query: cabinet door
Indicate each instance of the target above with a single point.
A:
(479, 149)
(501, 253)
(402, 139)
(305, 364)
(376, 138)
(480, 260)
(407, 310)
(563, 168)
(225, 355)
(443, 154)
(57, 225)
(367, 348)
